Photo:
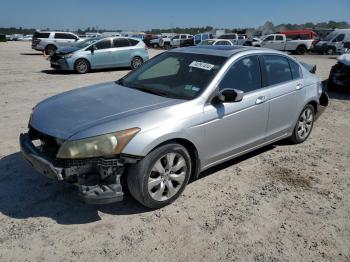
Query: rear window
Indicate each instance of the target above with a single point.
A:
(41, 35)
(296, 70)
(277, 69)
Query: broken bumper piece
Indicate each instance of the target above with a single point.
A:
(98, 179)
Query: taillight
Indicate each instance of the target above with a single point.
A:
(37, 41)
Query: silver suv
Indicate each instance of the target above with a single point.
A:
(49, 42)
(178, 114)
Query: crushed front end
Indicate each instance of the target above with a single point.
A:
(98, 178)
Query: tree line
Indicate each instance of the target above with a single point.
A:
(194, 30)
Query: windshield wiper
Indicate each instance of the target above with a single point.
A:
(153, 92)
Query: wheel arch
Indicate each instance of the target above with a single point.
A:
(192, 150)
(82, 58)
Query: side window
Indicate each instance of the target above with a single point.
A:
(243, 75)
(296, 70)
(103, 44)
(279, 38)
(222, 43)
(183, 36)
(133, 42)
(339, 38)
(64, 36)
(269, 38)
(120, 42)
(277, 69)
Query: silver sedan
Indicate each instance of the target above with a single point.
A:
(179, 114)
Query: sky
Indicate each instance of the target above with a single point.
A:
(144, 15)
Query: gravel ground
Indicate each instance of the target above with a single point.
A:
(280, 203)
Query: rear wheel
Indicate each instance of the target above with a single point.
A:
(304, 125)
(301, 50)
(81, 66)
(50, 50)
(159, 179)
(136, 62)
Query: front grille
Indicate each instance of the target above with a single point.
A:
(55, 57)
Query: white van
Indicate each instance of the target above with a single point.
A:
(334, 42)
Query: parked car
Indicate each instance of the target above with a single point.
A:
(49, 42)
(216, 42)
(231, 36)
(182, 40)
(181, 113)
(198, 38)
(333, 43)
(105, 53)
(241, 39)
(26, 38)
(165, 41)
(281, 43)
(253, 41)
(148, 39)
(339, 77)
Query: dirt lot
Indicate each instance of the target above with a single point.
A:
(281, 203)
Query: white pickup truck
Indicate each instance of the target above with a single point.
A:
(281, 43)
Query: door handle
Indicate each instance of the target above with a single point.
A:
(260, 100)
(299, 86)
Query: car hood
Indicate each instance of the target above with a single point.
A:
(344, 59)
(66, 114)
(67, 50)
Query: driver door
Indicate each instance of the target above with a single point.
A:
(232, 128)
(102, 56)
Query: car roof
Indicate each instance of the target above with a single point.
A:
(218, 50)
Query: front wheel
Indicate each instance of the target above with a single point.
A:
(304, 125)
(136, 62)
(81, 66)
(159, 179)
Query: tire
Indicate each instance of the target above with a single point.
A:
(149, 178)
(305, 122)
(330, 51)
(301, 50)
(167, 45)
(155, 45)
(50, 50)
(136, 62)
(81, 66)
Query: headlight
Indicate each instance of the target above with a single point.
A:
(104, 145)
(68, 55)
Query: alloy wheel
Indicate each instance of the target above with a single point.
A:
(167, 176)
(305, 123)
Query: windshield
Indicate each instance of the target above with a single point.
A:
(86, 42)
(330, 36)
(175, 75)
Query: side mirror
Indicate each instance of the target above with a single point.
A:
(93, 48)
(229, 95)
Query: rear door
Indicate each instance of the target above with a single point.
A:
(122, 51)
(64, 39)
(286, 94)
(102, 56)
(235, 127)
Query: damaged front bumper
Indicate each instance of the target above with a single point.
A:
(98, 179)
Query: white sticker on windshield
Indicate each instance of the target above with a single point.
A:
(202, 65)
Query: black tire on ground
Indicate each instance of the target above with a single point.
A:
(50, 50)
(155, 45)
(301, 50)
(295, 138)
(330, 50)
(81, 66)
(167, 45)
(138, 175)
(136, 62)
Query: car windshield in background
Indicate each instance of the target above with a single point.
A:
(175, 75)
